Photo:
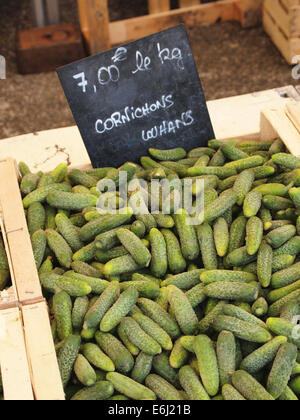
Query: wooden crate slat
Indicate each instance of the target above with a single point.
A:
(46, 378)
(188, 3)
(20, 250)
(275, 123)
(134, 28)
(293, 112)
(157, 6)
(287, 18)
(13, 358)
(8, 297)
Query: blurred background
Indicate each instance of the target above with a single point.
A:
(231, 60)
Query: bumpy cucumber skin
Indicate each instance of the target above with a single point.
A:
(254, 236)
(184, 281)
(221, 236)
(142, 367)
(164, 390)
(278, 237)
(229, 393)
(282, 370)
(39, 242)
(74, 287)
(41, 194)
(207, 245)
(183, 310)
(36, 218)
(140, 338)
(162, 367)
(286, 277)
(160, 316)
(69, 232)
(116, 351)
(226, 354)
(243, 184)
(264, 264)
(279, 326)
(192, 385)
(154, 330)
(176, 261)
(135, 247)
(79, 311)
(249, 387)
(242, 329)
(67, 357)
(261, 357)
(102, 224)
(62, 305)
(84, 371)
(130, 388)
(187, 235)
(252, 203)
(225, 290)
(119, 310)
(60, 247)
(212, 276)
(220, 206)
(208, 364)
(159, 262)
(97, 358)
(102, 390)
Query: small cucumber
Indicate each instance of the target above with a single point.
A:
(249, 387)
(208, 364)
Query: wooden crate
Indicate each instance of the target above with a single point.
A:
(100, 34)
(237, 117)
(281, 20)
(29, 365)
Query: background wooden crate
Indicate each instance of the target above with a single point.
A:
(100, 34)
(281, 20)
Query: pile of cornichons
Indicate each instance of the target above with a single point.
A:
(151, 306)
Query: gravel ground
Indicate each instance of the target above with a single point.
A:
(230, 60)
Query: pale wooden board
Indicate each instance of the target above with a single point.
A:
(238, 116)
(293, 112)
(13, 359)
(8, 297)
(275, 123)
(20, 250)
(46, 378)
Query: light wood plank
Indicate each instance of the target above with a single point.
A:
(275, 123)
(94, 20)
(46, 378)
(13, 359)
(157, 6)
(134, 28)
(20, 250)
(293, 112)
(8, 297)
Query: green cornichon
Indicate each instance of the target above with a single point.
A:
(208, 364)
(138, 288)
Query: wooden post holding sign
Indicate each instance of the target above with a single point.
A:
(143, 94)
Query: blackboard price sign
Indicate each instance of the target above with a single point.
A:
(144, 94)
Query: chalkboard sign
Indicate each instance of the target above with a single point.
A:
(144, 94)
